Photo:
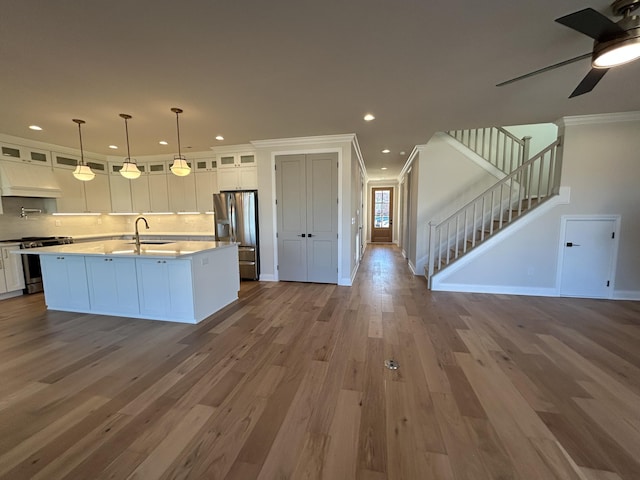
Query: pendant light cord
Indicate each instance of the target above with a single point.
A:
(178, 129)
(126, 129)
(81, 148)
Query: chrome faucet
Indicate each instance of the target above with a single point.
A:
(146, 224)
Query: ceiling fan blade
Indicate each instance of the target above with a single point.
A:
(592, 24)
(589, 82)
(545, 69)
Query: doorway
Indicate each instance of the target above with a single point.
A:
(588, 255)
(382, 215)
(307, 217)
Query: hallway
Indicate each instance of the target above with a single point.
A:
(289, 382)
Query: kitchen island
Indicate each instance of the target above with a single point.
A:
(184, 281)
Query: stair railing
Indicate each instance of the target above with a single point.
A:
(528, 186)
(496, 145)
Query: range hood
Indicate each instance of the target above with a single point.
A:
(20, 180)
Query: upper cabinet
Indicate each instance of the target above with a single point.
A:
(78, 196)
(182, 190)
(206, 177)
(19, 153)
(237, 171)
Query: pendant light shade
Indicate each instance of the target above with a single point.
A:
(83, 171)
(180, 166)
(129, 168)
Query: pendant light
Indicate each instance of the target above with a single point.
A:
(180, 166)
(83, 171)
(129, 168)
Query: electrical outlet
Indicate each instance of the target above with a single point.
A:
(99, 221)
(58, 223)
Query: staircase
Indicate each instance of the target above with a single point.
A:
(527, 184)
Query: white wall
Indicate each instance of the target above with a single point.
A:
(266, 151)
(446, 180)
(542, 135)
(601, 165)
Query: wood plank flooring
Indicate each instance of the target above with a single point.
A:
(289, 382)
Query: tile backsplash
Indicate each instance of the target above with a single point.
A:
(12, 225)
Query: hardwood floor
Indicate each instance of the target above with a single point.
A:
(289, 382)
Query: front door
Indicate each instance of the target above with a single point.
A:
(588, 257)
(382, 215)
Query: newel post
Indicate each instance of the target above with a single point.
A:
(432, 252)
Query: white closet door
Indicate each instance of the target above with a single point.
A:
(307, 211)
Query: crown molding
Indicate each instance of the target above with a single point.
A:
(233, 148)
(599, 119)
(356, 147)
(298, 141)
(407, 165)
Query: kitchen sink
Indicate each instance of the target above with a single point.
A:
(151, 242)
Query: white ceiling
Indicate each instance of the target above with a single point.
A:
(253, 70)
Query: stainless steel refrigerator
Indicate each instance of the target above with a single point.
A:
(236, 218)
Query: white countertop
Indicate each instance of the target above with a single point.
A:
(145, 233)
(127, 248)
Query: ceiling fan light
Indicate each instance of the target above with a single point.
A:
(180, 167)
(129, 170)
(614, 53)
(84, 173)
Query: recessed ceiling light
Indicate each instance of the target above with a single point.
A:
(219, 138)
(383, 168)
(113, 147)
(35, 127)
(368, 117)
(386, 150)
(403, 153)
(163, 142)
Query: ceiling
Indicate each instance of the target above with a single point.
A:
(254, 70)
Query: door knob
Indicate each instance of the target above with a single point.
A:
(310, 235)
(571, 244)
(302, 235)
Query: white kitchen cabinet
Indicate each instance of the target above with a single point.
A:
(96, 192)
(119, 189)
(182, 191)
(140, 194)
(237, 171)
(206, 177)
(65, 282)
(78, 196)
(113, 285)
(24, 154)
(11, 274)
(165, 288)
(158, 187)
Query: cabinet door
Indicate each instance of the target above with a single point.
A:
(65, 282)
(153, 286)
(158, 193)
(12, 266)
(97, 196)
(113, 285)
(120, 190)
(206, 186)
(248, 178)
(164, 288)
(227, 161)
(228, 179)
(182, 192)
(140, 194)
(72, 199)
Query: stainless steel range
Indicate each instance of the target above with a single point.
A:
(31, 263)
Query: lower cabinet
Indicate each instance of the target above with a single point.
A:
(11, 274)
(113, 284)
(65, 282)
(165, 288)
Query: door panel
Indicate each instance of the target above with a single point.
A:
(382, 214)
(292, 223)
(307, 193)
(588, 256)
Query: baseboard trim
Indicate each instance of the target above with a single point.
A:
(626, 295)
(498, 289)
(5, 296)
(412, 267)
(268, 278)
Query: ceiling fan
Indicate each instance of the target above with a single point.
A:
(614, 43)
